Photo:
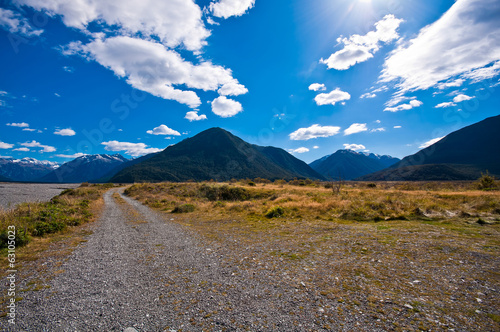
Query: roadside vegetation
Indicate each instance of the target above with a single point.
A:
(400, 255)
(72, 207)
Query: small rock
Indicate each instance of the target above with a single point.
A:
(478, 300)
(130, 329)
(408, 306)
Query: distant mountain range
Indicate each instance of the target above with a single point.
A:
(85, 168)
(461, 155)
(26, 169)
(349, 165)
(216, 154)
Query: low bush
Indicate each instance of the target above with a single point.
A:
(275, 212)
(184, 208)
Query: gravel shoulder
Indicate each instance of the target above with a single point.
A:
(140, 270)
(12, 194)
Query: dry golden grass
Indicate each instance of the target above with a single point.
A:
(407, 255)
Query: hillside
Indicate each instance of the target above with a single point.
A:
(348, 164)
(462, 155)
(4, 179)
(26, 169)
(85, 169)
(215, 154)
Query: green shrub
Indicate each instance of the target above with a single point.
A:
(41, 228)
(184, 208)
(275, 212)
(487, 182)
(21, 238)
(224, 193)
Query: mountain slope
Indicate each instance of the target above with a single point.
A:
(106, 177)
(4, 179)
(348, 164)
(462, 155)
(84, 169)
(212, 154)
(26, 169)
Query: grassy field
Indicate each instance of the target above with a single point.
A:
(406, 256)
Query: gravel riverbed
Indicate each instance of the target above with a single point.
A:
(12, 194)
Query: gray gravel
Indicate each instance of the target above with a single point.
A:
(138, 270)
(12, 194)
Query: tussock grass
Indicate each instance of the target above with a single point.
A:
(71, 208)
(414, 254)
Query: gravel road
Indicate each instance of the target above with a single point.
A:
(12, 194)
(140, 270)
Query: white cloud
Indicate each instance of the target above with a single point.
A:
(193, 116)
(35, 144)
(149, 67)
(4, 145)
(71, 156)
(397, 127)
(445, 104)
(413, 103)
(355, 128)
(68, 69)
(375, 130)
(354, 147)
(332, 97)
(430, 142)
(299, 150)
(462, 42)
(485, 73)
(361, 48)
(173, 22)
(315, 147)
(368, 95)
(317, 87)
(163, 130)
(450, 84)
(461, 97)
(65, 132)
(20, 125)
(16, 24)
(226, 108)
(132, 149)
(228, 8)
(22, 149)
(29, 129)
(232, 88)
(314, 131)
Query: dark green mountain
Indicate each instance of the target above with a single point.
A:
(107, 177)
(462, 155)
(215, 154)
(348, 164)
(4, 179)
(84, 169)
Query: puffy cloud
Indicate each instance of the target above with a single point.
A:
(463, 42)
(71, 156)
(361, 48)
(193, 116)
(332, 97)
(314, 131)
(4, 145)
(35, 144)
(132, 149)
(163, 130)
(430, 142)
(397, 127)
(22, 149)
(228, 8)
(413, 103)
(173, 22)
(450, 84)
(65, 132)
(445, 104)
(315, 147)
(299, 150)
(149, 67)
(232, 88)
(354, 147)
(461, 97)
(16, 24)
(368, 95)
(355, 128)
(317, 87)
(226, 108)
(29, 129)
(20, 124)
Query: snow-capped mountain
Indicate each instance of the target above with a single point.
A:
(26, 169)
(85, 168)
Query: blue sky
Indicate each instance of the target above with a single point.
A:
(311, 77)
